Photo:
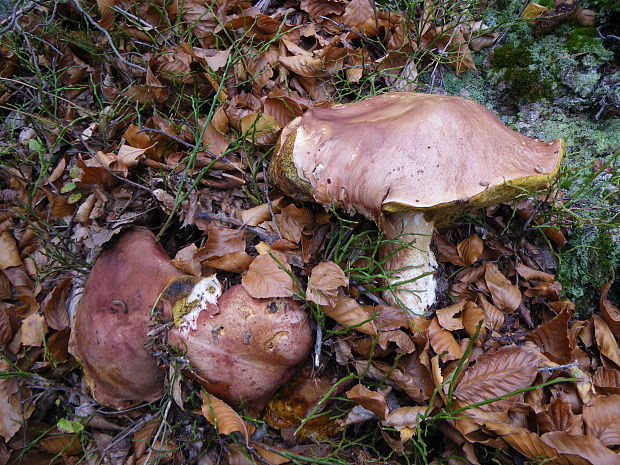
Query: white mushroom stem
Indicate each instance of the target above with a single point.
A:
(412, 281)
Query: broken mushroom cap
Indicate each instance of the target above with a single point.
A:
(109, 329)
(407, 160)
(243, 349)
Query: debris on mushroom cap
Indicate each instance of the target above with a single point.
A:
(249, 347)
(109, 329)
(409, 152)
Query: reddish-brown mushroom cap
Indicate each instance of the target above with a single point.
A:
(109, 329)
(409, 152)
(410, 160)
(248, 347)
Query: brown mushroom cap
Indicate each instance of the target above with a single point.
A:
(249, 348)
(409, 152)
(109, 329)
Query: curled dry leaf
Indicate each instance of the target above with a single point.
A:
(472, 316)
(526, 442)
(470, 249)
(33, 330)
(265, 279)
(505, 294)
(606, 342)
(349, 313)
(6, 331)
(497, 374)
(607, 380)
(223, 417)
(446, 251)
(557, 416)
(371, 400)
(552, 338)
(401, 339)
(585, 447)
(446, 316)
(493, 316)
(610, 312)
(12, 412)
(221, 241)
(9, 255)
(405, 417)
(55, 305)
(185, 260)
(325, 279)
(443, 342)
(602, 419)
(533, 275)
(235, 262)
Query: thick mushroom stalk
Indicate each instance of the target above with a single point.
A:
(410, 261)
(405, 153)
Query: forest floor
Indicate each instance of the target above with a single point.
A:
(165, 115)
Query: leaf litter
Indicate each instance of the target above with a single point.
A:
(475, 377)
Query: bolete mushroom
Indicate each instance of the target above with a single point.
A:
(409, 161)
(242, 349)
(109, 329)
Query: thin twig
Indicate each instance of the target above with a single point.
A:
(108, 37)
(260, 232)
(559, 367)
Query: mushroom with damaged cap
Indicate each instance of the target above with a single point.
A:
(255, 348)
(409, 161)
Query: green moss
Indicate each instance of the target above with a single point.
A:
(526, 85)
(587, 266)
(582, 39)
(510, 56)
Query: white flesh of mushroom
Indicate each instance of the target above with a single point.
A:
(206, 291)
(412, 268)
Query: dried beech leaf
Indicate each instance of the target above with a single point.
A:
(505, 294)
(472, 316)
(33, 330)
(585, 447)
(12, 412)
(552, 338)
(185, 260)
(447, 251)
(325, 279)
(265, 279)
(443, 342)
(470, 249)
(602, 419)
(221, 241)
(494, 317)
(9, 255)
(607, 380)
(446, 318)
(401, 339)
(557, 416)
(236, 262)
(223, 417)
(55, 305)
(610, 312)
(256, 215)
(371, 400)
(142, 438)
(6, 331)
(272, 458)
(533, 275)
(497, 374)
(349, 313)
(606, 341)
(405, 417)
(526, 442)
(107, 13)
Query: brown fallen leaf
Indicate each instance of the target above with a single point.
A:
(533, 275)
(557, 416)
(607, 380)
(446, 316)
(470, 249)
(6, 331)
(9, 254)
(447, 251)
(552, 338)
(602, 419)
(223, 417)
(493, 316)
(265, 278)
(33, 330)
(55, 305)
(185, 260)
(498, 374)
(606, 342)
(325, 279)
(235, 262)
(472, 317)
(370, 400)
(527, 443)
(610, 312)
(585, 447)
(349, 313)
(14, 409)
(443, 342)
(505, 294)
(221, 241)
